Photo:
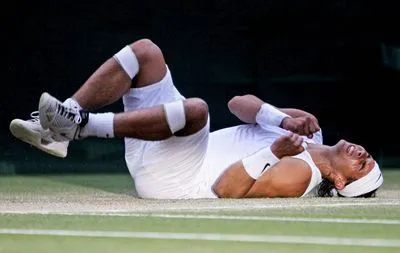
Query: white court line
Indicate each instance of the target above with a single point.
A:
(267, 218)
(221, 217)
(211, 237)
(247, 206)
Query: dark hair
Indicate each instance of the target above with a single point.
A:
(326, 189)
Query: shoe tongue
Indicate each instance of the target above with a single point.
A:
(72, 103)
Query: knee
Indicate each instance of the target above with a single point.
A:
(196, 111)
(146, 51)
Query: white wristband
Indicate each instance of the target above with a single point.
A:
(259, 162)
(270, 115)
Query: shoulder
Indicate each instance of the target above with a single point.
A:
(296, 168)
(290, 177)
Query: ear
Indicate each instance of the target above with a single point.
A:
(340, 182)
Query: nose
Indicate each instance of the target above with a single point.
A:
(361, 152)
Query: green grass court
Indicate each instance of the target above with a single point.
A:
(100, 213)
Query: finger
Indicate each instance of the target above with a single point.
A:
(311, 126)
(302, 128)
(285, 137)
(311, 130)
(298, 141)
(294, 137)
(316, 126)
(289, 134)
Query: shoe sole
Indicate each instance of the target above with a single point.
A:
(33, 138)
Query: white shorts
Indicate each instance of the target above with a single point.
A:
(167, 169)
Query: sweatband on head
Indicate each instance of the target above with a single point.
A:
(175, 113)
(128, 61)
(270, 115)
(259, 162)
(372, 181)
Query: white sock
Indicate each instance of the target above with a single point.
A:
(99, 125)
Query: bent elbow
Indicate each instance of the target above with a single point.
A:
(237, 102)
(232, 104)
(218, 190)
(225, 192)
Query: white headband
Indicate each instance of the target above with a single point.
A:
(372, 181)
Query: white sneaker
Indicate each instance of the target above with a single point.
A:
(31, 132)
(63, 119)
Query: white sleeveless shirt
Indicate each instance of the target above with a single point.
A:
(232, 144)
(316, 177)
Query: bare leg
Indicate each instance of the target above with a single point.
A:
(151, 123)
(108, 84)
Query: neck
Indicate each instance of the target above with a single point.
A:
(321, 157)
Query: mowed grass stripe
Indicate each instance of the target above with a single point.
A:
(220, 217)
(167, 225)
(374, 242)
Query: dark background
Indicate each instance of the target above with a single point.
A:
(321, 56)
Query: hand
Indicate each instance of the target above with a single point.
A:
(287, 145)
(304, 125)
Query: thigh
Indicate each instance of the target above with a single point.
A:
(168, 169)
(158, 93)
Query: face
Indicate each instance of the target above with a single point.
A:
(352, 161)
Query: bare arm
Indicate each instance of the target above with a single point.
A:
(238, 179)
(288, 178)
(234, 182)
(246, 107)
(295, 113)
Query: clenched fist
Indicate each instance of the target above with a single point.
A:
(305, 125)
(287, 145)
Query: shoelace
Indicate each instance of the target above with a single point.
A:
(34, 116)
(69, 113)
(45, 135)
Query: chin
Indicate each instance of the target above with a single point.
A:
(341, 145)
